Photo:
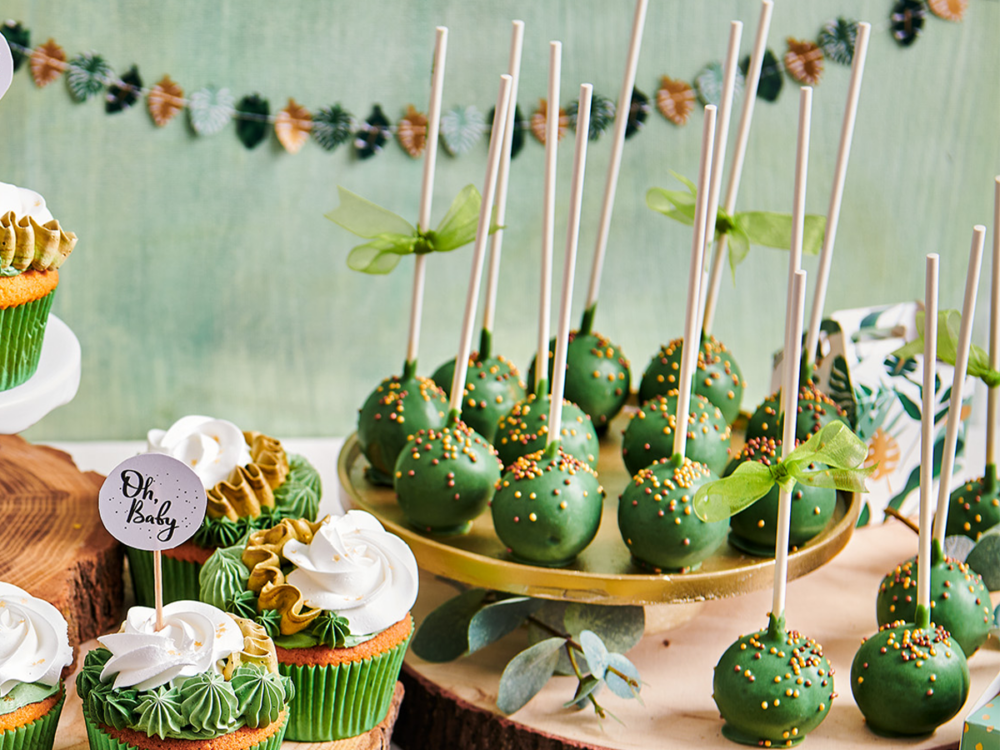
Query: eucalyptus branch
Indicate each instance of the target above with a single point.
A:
(598, 708)
(571, 644)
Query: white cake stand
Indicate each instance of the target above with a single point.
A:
(54, 383)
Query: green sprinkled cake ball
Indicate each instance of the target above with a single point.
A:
(657, 520)
(526, 430)
(755, 529)
(649, 435)
(816, 410)
(975, 506)
(960, 602)
(547, 508)
(445, 478)
(717, 376)
(773, 687)
(396, 409)
(908, 680)
(492, 387)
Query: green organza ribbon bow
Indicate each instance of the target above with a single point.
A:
(744, 228)
(835, 445)
(392, 236)
(949, 324)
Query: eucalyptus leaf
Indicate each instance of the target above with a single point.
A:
(616, 684)
(595, 651)
(444, 633)
(958, 547)
(527, 673)
(586, 687)
(985, 558)
(620, 628)
(553, 613)
(494, 621)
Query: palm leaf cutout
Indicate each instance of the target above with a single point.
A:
(87, 75)
(461, 128)
(637, 113)
(123, 93)
(209, 109)
(602, 115)
(370, 138)
(708, 84)
(47, 63)
(164, 101)
(331, 127)
(675, 100)
(292, 126)
(837, 39)
(252, 126)
(517, 136)
(16, 36)
(771, 78)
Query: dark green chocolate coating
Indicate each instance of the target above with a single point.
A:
(755, 529)
(525, 430)
(975, 506)
(908, 680)
(547, 508)
(445, 478)
(773, 687)
(649, 435)
(396, 409)
(717, 376)
(492, 387)
(816, 410)
(657, 521)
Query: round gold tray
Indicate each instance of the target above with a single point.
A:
(604, 572)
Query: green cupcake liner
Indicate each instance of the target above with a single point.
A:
(101, 740)
(180, 578)
(22, 329)
(38, 735)
(337, 702)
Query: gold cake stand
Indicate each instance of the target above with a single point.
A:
(604, 573)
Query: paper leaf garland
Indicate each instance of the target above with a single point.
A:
(292, 126)
(637, 113)
(907, 21)
(331, 127)
(209, 109)
(837, 39)
(411, 132)
(16, 36)
(251, 126)
(675, 100)
(461, 129)
(123, 93)
(47, 63)
(804, 61)
(517, 139)
(538, 122)
(771, 78)
(708, 84)
(87, 75)
(165, 100)
(372, 135)
(949, 10)
(602, 115)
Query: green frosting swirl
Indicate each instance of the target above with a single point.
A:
(159, 713)
(90, 673)
(244, 605)
(295, 500)
(223, 576)
(112, 707)
(25, 694)
(261, 695)
(331, 629)
(209, 704)
(270, 620)
(221, 532)
(303, 472)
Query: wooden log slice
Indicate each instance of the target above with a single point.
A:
(52, 541)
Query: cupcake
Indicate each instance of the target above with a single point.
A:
(34, 651)
(32, 247)
(251, 482)
(335, 595)
(204, 676)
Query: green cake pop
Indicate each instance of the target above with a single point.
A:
(815, 411)
(649, 435)
(717, 378)
(975, 506)
(493, 385)
(525, 430)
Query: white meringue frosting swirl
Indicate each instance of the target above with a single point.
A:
(195, 638)
(23, 202)
(357, 569)
(212, 447)
(34, 640)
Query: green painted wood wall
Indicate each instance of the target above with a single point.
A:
(206, 279)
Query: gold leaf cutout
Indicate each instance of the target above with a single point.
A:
(538, 121)
(165, 100)
(675, 100)
(292, 126)
(804, 61)
(949, 10)
(411, 132)
(47, 63)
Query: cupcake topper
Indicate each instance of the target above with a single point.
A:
(153, 502)
(927, 443)
(496, 243)
(615, 161)
(479, 249)
(837, 192)
(569, 266)
(548, 214)
(958, 383)
(689, 356)
(427, 191)
(993, 394)
(739, 153)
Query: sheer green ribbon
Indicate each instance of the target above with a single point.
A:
(744, 228)
(392, 236)
(835, 445)
(949, 324)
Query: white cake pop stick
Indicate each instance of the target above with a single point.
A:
(479, 247)
(548, 212)
(801, 177)
(927, 437)
(790, 402)
(569, 265)
(427, 189)
(617, 145)
(993, 394)
(837, 191)
(958, 384)
(496, 242)
(739, 153)
(689, 354)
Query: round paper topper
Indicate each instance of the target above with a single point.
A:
(152, 502)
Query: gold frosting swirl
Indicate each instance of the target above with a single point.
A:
(24, 243)
(263, 557)
(250, 488)
(257, 649)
